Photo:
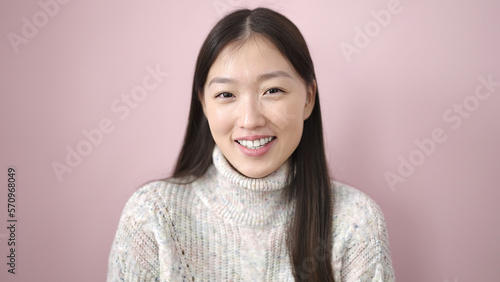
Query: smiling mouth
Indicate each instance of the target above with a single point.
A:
(255, 144)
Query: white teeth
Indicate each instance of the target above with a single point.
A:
(255, 144)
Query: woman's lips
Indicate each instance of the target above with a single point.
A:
(255, 146)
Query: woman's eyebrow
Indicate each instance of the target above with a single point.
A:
(274, 74)
(261, 77)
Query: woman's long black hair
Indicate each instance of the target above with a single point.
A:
(310, 233)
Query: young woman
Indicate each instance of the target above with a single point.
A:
(250, 198)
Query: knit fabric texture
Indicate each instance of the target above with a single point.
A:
(227, 227)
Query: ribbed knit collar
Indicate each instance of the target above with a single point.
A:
(247, 201)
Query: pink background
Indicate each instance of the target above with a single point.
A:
(442, 220)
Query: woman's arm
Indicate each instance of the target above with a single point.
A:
(367, 256)
(134, 253)
(361, 243)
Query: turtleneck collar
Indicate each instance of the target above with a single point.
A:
(243, 200)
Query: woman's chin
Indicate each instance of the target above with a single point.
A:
(251, 172)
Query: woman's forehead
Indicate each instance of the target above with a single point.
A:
(252, 57)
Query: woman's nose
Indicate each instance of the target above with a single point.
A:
(250, 114)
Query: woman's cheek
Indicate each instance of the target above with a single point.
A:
(223, 118)
(285, 115)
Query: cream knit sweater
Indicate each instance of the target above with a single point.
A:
(227, 227)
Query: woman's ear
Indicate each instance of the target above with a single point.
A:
(310, 99)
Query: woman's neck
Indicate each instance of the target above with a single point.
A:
(243, 200)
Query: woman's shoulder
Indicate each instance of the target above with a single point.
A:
(353, 208)
(154, 195)
(144, 198)
(360, 237)
(348, 196)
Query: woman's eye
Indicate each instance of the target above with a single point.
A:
(224, 95)
(273, 90)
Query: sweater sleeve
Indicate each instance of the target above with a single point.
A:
(366, 254)
(134, 252)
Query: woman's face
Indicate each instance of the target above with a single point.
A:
(256, 105)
